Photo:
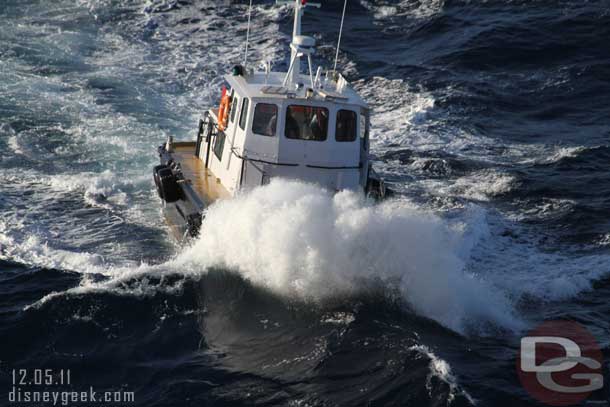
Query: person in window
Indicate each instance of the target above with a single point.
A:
(316, 125)
(292, 126)
(270, 129)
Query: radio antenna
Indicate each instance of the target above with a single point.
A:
(339, 40)
(248, 34)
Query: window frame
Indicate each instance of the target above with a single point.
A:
(355, 135)
(243, 116)
(254, 119)
(310, 107)
(365, 126)
(234, 105)
(219, 144)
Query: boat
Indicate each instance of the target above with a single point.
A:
(310, 126)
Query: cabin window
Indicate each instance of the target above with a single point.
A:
(364, 128)
(244, 114)
(346, 126)
(234, 108)
(265, 119)
(219, 145)
(306, 123)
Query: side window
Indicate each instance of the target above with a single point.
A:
(219, 145)
(306, 123)
(234, 108)
(265, 119)
(244, 114)
(364, 128)
(346, 126)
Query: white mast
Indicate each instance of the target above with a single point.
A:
(299, 45)
(295, 58)
(248, 35)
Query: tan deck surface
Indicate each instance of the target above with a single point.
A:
(202, 180)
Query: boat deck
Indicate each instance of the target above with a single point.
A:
(202, 180)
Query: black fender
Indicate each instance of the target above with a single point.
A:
(170, 191)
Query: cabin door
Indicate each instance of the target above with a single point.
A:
(292, 147)
(340, 149)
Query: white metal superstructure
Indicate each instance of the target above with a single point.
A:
(269, 100)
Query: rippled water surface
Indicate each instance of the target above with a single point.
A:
(491, 119)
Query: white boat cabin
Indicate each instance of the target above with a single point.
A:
(312, 133)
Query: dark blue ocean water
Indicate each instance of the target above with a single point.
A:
(491, 119)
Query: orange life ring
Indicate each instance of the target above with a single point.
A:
(223, 110)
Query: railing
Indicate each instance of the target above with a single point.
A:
(250, 166)
(208, 126)
(254, 163)
(262, 176)
(252, 173)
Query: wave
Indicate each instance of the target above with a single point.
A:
(405, 8)
(299, 241)
(440, 369)
(244, 329)
(484, 185)
(514, 260)
(296, 239)
(398, 112)
(12, 141)
(105, 190)
(33, 251)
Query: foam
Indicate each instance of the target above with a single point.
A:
(12, 141)
(515, 264)
(604, 240)
(121, 284)
(407, 115)
(296, 239)
(398, 109)
(526, 273)
(483, 185)
(566, 152)
(404, 115)
(405, 8)
(477, 187)
(104, 190)
(385, 11)
(544, 154)
(31, 250)
(339, 318)
(440, 369)
(546, 209)
(13, 144)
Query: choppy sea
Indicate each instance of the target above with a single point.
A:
(491, 120)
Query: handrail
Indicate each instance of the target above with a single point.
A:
(244, 160)
(353, 167)
(211, 132)
(244, 157)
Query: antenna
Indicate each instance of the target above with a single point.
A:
(339, 40)
(248, 34)
(299, 45)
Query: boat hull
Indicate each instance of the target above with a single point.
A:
(185, 187)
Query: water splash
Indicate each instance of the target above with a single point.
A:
(296, 239)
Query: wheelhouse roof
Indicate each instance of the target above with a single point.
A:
(263, 86)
